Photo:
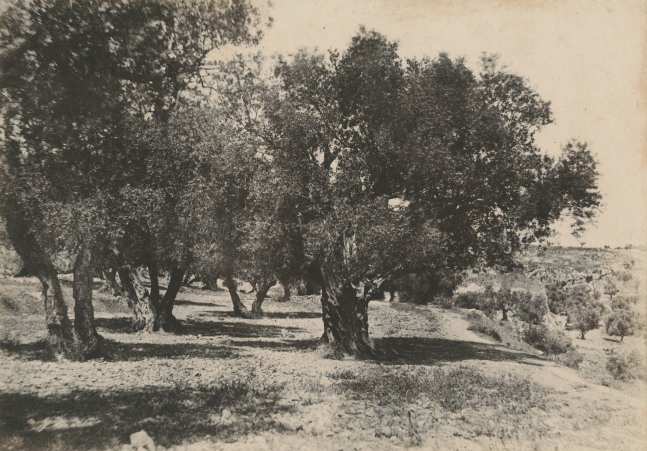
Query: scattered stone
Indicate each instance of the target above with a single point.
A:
(142, 440)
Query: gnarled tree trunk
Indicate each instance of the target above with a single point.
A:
(60, 333)
(84, 327)
(261, 294)
(239, 307)
(287, 294)
(211, 282)
(307, 287)
(139, 299)
(345, 316)
(165, 318)
(110, 284)
(153, 275)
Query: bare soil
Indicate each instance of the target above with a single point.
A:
(231, 383)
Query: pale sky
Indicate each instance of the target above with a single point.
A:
(586, 56)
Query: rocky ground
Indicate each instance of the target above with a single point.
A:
(231, 383)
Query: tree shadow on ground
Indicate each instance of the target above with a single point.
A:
(429, 351)
(115, 351)
(289, 345)
(201, 304)
(32, 350)
(119, 351)
(248, 329)
(115, 325)
(96, 419)
(292, 315)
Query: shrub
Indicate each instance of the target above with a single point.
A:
(623, 302)
(584, 311)
(625, 367)
(570, 358)
(586, 318)
(470, 299)
(443, 301)
(530, 309)
(426, 287)
(551, 342)
(484, 326)
(557, 299)
(611, 289)
(621, 323)
(623, 276)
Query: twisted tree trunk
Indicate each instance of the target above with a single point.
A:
(239, 307)
(60, 334)
(261, 294)
(84, 327)
(287, 294)
(165, 318)
(110, 284)
(139, 299)
(345, 317)
(211, 282)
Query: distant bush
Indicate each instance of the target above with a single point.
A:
(557, 298)
(484, 326)
(610, 289)
(586, 318)
(426, 287)
(443, 301)
(623, 302)
(551, 342)
(584, 310)
(623, 276)
(570, 358)
(530, 309)
(621, 323)
(471, 299)
(625, 367)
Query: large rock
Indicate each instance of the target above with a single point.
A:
(141, 440)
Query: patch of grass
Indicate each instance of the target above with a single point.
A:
(453, 389)
(551, 342)
(484, 326)
(626, 366)
(571, 359)
(492, 328)
(404, 306)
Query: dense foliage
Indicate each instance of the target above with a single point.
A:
(118, 141)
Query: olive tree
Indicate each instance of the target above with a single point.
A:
(398, 169)
(73, 75)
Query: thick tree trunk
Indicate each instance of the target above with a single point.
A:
(261, 294)
(211, 282)
(287, 294)
(306, 287)
(153, 275)
(165, 318)
(110, 284)
(84, 327)
(139, 299)
(60, 333)
(239, 307)
(345, 316)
